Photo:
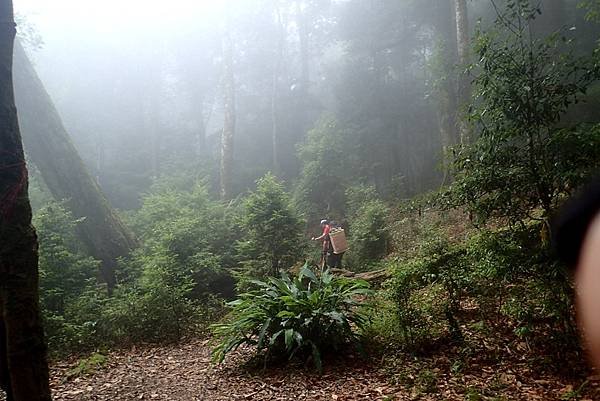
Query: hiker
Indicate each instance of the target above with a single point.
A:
(326, 242)
(577, 240)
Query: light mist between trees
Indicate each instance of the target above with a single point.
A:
(181, 160)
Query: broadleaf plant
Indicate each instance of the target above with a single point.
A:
(303, 315)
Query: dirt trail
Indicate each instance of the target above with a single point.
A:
(184, 373)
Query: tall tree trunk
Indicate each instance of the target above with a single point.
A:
(304, 46)
(52, 151)
(228, 133)
(447, 100)
(277, 66)
(304, 38)
(464, 85)
(23, 365)
(151, 122)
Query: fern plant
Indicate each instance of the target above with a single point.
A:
(303, 315)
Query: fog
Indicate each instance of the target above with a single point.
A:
(402, 165)
(139, 85)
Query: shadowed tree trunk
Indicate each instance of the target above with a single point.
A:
(229, 120)
(464, 85)
(52, 151)
(23, 366)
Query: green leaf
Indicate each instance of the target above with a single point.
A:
(289, 338)
(305, 271)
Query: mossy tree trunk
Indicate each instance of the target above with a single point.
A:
(23, 365)
(50, 148)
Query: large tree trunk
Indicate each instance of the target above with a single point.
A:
(51, 149)
(23, 366)
(229, 120)
(464, 85)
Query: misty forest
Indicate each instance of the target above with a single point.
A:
(294, 199)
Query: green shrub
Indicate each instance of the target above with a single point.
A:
(272, 238)
(284, 316)
(525, 159)
(195, 232)
(428, 289)
(325, 171)
(368, 234)
(87, 365)
(66, 275)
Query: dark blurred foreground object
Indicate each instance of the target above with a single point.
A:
(23, 366)
(574, 220)
(577, 239)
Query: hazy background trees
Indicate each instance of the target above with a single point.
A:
(222, 132)
(392, 73)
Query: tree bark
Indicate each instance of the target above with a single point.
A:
(228, 134)
(23, 365)
(52, 151)
(464, 86)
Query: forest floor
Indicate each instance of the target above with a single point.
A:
(184, 372)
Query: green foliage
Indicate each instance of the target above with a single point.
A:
(190, 235)
(427, 290)
(593, 9)
(427, 381)
(303, 315)
(523, 160)
(168, 287)
(87, 365)
(506, 272)
(159, 307)
(368, 226)
(272, 238)
(66, 275)
(322, 182)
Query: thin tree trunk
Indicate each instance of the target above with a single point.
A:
(303, 36)
(228, 133)
(23, 365)
(464, 89)
(304, 48)
(278, 60)
(52, 151)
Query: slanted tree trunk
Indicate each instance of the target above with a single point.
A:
(464, 85)
(23, 365)
(228, 133)
(52, 151)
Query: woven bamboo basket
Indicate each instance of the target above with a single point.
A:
(338, 241)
